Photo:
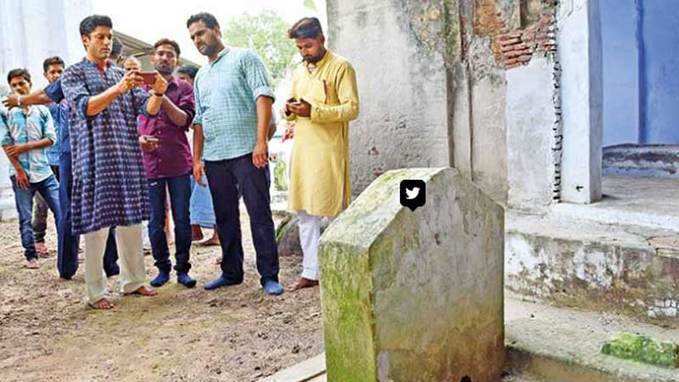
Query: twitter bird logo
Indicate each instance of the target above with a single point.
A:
(413, 193)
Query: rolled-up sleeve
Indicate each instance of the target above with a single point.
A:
(75, 90)
(256, 75)
(49, 131)
(187, 104)
(5, 136)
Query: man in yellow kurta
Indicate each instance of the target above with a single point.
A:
(324, 99)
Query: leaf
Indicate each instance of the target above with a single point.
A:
(266, 34)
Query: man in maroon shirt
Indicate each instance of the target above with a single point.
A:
(168, 165)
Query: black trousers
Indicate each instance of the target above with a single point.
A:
(228, 179)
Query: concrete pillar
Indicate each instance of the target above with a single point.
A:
(580, 55)
(415, 296)
(530, 134)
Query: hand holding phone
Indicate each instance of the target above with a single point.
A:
(149, 77)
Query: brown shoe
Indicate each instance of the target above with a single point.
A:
(32, 264)
(304, 283)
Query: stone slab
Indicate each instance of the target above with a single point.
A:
(414, 296)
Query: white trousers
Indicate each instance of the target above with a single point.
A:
(130, 259)
(309, 236)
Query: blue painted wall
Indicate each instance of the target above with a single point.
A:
(620, 71)
(660, 29)
(640, 40)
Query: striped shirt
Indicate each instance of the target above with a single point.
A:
(17, 127)
(226, 91)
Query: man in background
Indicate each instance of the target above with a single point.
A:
(202, 211)
(324, 99)
(25, 132)
(53, 67)
(168, 166)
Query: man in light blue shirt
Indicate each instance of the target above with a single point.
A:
(233, 111)
(25, 132)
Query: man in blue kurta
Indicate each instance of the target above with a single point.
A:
(109, 185)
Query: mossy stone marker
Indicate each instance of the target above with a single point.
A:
(415, 296)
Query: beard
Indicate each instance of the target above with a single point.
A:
(164, 69)
(316, 58)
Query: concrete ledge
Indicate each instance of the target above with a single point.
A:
(305, 371)
(618, 268)
(565, 345)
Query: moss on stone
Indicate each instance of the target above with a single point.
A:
(643, 349)
(283, 228)
(279, 175)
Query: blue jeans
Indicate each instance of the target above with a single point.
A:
(68, 243)
(229, 179)
(49, 190)
(180, 194)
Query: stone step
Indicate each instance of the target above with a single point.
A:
(642, 160)
(624, 268)
(564, 345)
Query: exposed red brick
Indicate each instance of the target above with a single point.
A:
(517, 47)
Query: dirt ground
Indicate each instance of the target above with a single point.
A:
(233, 334)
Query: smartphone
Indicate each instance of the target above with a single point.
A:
(149, 77)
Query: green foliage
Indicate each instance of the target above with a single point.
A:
(266, 34)
(310, 4)
(642, 349)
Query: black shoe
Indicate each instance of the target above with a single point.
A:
(186, 280)
(161, 279)
(219, 282)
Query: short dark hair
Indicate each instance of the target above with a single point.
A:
(19, 72)
(116, 48)
(90, 23)
(207, 18)
(308, 27)
(56, 60)
(167, 41)
(189, 70)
